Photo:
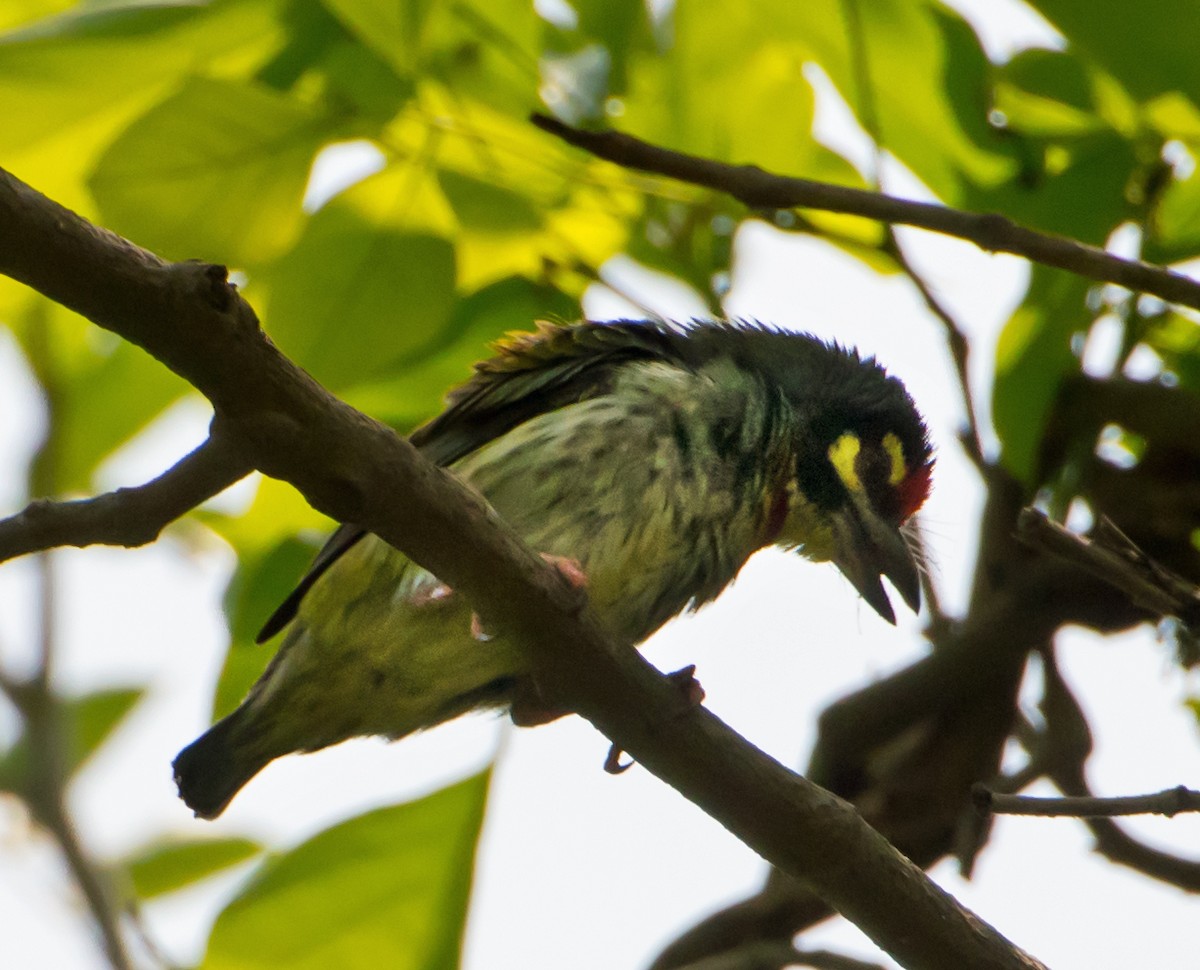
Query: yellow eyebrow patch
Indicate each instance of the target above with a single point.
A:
(842, 454)
(891, 444)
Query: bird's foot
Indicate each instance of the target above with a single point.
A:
(530, 708)
(685, 681)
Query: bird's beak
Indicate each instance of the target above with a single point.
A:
(866, 548)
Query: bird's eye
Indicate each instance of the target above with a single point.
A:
(879, 469)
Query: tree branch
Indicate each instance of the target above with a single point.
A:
(1170, 802)
(352, 468)
(127, 517)
(991, 232)
(1061, 751)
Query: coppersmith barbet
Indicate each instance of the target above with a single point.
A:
(648, 460)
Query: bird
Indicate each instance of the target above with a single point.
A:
(647, 461)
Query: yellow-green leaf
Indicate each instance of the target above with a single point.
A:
(167, 866)
(217, 171)
(387, 889)
(366, 285)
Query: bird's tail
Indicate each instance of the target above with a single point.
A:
(214, 768)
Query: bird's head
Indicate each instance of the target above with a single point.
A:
(863, 464)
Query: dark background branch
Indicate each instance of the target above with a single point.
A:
(1169, 802)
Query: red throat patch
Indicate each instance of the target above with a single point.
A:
(776, 516)
(914, 489)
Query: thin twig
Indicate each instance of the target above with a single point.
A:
(128, 516)
(991, 232)
(1061, 751)
(1169, 802)
(956, 340)
(45, 793)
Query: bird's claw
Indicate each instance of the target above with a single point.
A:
(613, 764)
(693, 694)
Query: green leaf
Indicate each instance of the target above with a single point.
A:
(365, 81)
(217, 171)
(487, 207)
(419, 391)
(488, 50)
(17, 12)
(1046, 93)
(1083, 195)
(1176, 226)
(387, 889)
(165, 867)
(262, 582)
(1176, 339)
(104, 407)
(58, 74)
(93, 717)
(755, 108)
(369, 283)
(1148, 46)
(366, 285)
(392, 28)
(930, 84)
(1194, 704)
(87, 722)
(103, 391)
(1032, 356)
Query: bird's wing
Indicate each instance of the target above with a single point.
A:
(533, 373)
(342, 539)
(530, 374)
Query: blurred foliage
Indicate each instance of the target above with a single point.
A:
(164, 868)
(85, 722)
(386, 889)
(366, 166)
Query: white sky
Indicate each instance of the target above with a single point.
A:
(577, 868)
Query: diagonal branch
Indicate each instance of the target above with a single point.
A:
(127, 517)
(994, 233)
(353, 468)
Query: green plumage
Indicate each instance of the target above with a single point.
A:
(659, 457)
